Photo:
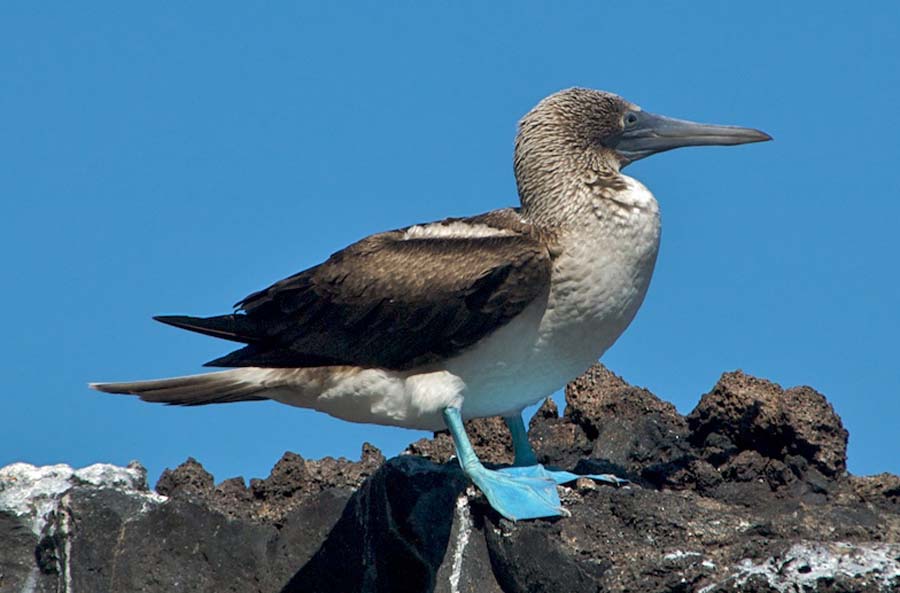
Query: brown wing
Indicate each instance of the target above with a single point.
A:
(387, 301)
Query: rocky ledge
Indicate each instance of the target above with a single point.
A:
(749, 492)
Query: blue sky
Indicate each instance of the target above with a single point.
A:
(172, 159)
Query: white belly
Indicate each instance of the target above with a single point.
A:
(599, 282)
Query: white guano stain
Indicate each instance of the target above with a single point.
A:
(38, 494)
(805, 563)
(464, 528)
(31, 580)
(65, 532)
(679, 554)
(34, 493)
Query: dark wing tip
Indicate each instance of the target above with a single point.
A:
(235, 327)
(173, 320)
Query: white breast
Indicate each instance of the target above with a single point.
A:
(599, 282)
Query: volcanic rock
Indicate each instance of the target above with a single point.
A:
(749, 492)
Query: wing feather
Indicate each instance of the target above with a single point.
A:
(392, 301)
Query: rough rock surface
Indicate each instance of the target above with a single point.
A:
(749, 492)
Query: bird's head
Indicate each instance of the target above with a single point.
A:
(578, 131)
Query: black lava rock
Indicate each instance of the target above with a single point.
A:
(749, 492)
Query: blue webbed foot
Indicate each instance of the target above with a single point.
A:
(559, 476)
(528, 492)
(525, 491)
(517, 497)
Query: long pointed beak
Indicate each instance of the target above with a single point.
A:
(648, 133)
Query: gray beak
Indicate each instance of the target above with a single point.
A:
(647, 133)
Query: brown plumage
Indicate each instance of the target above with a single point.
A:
(393, 300)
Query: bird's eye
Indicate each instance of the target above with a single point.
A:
(630, 118)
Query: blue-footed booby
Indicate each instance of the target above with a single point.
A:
(430, 325)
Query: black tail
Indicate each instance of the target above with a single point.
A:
(236, 327)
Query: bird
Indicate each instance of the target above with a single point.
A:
(433, 324)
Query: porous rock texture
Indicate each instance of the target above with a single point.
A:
(749, 492)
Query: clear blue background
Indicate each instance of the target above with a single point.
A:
(158, 159)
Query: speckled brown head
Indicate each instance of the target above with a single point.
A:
(582, 132)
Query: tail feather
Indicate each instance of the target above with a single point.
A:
(194, 390)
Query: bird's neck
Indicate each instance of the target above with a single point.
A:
(570, 192)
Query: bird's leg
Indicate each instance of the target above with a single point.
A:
(524, 454)
(513, 496)
(526, 463)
